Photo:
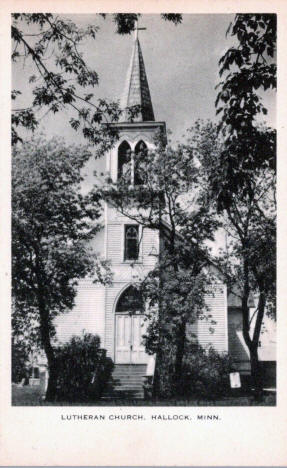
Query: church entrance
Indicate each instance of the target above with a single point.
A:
(129, 332)
(130, 327)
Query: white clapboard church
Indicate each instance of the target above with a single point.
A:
(105, 310)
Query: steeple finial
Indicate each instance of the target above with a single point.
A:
(138, 29)
(137, 90)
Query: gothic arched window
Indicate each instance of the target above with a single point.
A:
(140, 152)
(124, 159)
(130, 301)
(131, 242)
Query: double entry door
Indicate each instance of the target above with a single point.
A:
(129, 348)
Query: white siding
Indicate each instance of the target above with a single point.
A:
(150, 246)
(88, 313)
(115, 243)
(214, 334)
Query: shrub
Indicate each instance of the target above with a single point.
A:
(83, 369)
(19, 360)
(205, 372)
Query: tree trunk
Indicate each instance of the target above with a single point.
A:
(252, 343)
(156, 389)
(180, 343)
(52, 382)
(256, 373)
(49, 351)
(162, 384)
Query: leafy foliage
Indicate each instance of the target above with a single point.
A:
(20, 357)
(126, 22)
(61, 78)
(205, 373)
(247, 67)
(249, 260)
(83, 369)
(52, 222)
(243, 182)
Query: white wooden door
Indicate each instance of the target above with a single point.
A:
(128, 342)
(138, 354)
(123, 339)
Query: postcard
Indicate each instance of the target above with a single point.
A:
(142, 275)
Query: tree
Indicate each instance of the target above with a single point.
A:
(167, 199)
(249, 260)
(62, 79)
(248, 68)
(243, 182)
(52, 222)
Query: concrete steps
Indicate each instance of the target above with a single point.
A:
(126, 382)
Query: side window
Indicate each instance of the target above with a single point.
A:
(131, 242)
(124, 159)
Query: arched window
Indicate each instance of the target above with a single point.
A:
(140, 152)
(130, 301)
(131, 242)
(124, 159)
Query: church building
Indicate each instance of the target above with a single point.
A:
(104, 310)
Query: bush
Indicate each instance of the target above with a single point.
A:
(19, 362)
(205, 373)
(83, 369)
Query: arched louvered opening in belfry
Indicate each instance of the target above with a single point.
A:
(130, 301)
(140, 152)
(124, 159)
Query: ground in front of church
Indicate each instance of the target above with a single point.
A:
(32, 396)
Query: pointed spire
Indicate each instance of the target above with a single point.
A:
(137, 90)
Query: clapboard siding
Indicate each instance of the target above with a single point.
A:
(208, 334)
(115, 243)
(88, 313)
(217, 303)
(150, 243)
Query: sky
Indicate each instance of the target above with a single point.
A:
(181, 64)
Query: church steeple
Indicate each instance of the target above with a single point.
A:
(137, 90)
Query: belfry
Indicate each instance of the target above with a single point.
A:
(127, 244)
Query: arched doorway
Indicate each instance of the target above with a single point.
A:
(130, 327)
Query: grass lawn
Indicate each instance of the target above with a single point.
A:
(32, 396)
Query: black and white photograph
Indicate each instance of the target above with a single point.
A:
(143, 210)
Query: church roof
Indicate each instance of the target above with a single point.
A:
(136, 91)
